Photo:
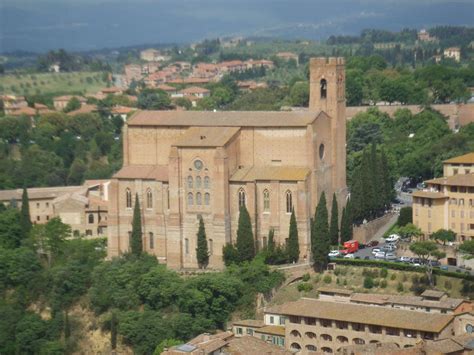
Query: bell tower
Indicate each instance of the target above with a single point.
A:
(327, 93)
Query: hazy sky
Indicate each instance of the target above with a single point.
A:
(40, 25)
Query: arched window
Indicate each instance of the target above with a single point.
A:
(242, 201)
(358, 341)
(310, 347)
(190, 182)
(198, 182)
(295, 346)
(324, 88)
(296, 333)
(190, 199)
(151, 240)
(91, 218)
(342, 339)
(207, 199)
(211, 246)
(207, 182)
(198, 199)
(149, 199)
(128, 198)
(289, 202)
(310, 335)
(326, 350)
(266, 200)
(326, 337)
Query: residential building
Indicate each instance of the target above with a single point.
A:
(12, 103)
(184, 165)
(84, 207)
(288, 56)
(453, 53)
(424, 36)
(448, 202)
(153, 55)
(326, 326)
(60, 102)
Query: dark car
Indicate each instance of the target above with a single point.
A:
(366, 257)
(372, 243)
(435, 263)
(362, 246)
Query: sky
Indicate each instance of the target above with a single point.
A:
(40, 25)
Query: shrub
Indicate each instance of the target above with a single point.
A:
(317, 278)
(393, 277)
(384, 272)
(345, 282)
(370, 272)
(368, 282)
(383, 284)
(447, 284)
(337, 280)
(305, 287)
(306, 277)
(327, 279)
(376, 283)
(400, 287)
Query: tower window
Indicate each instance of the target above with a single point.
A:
(242, 198)
(198, 199)
(149, 199)
(266, 200)
(128, 198)
(207, 182)
(91, 218)
(324, 88)
(207, 199)
(289, 202)
(190, 199)
(152, 240)
(190, 182)
(198, 182)
(321, 151)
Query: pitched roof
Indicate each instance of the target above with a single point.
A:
(347, 312)
(373, 298)
(165, 87)
(462, 159)
(83, 109)
(37, 192)
(224, 118)
(272, 329)
(455, 180)
(206, 136)
(249, 345)
(194, 90)
(152, 172)
(69, 97)
(341, 291)
(429, 194)
(433, 294)
(277, 173)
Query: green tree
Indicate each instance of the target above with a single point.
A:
(444, 236)
(245, 242)
(113, 330)
(334, 226)
(299, 94)
(271, 240)
(293, 247)
(426, 250)
(467, 248)
(202, 252)
(408, 231)
(50, 238)
(72, 105)
(346, 223)
(25, 218)
(67, 326)
(230, 254)
(167, 343)
(11, 233)
(405, 217)
(320, 236)
(136, 243)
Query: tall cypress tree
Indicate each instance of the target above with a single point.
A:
(346, 224)
(387, 183)
(136, 244)
(202, 252)
(320, 236)
(245, 242)
(25, 218)
(271, 240)
(293, 246)
(334, 226)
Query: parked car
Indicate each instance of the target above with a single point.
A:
(375, 250)
(444, 267)
(435, 263)
(379, 255)
(334, 253)
(372, 243)
(390, 256)
(349, 256)
(366, 257)
(392, 238)
(405, 259)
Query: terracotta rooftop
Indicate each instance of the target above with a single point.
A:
(347, 312)
(111, 90)
(69, 97)
(38, 192)
(462, 159)
(206, 136)
(84, 109)
(277, 173)
(455, 180)
(249, 345)
(272, 329)
(341, 291)
(154, 172)
(26, 111)
(429, 194)
(194, 90)
(373, 298)
(433, 294)
(165, 87)
(223, 118)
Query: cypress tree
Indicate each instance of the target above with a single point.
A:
(387, 183)
(245, 242)
(320, 236)
(293, 247)
(113, 331)
(346, 223)
(334, 226)
(25, 218)
(202, 252)
(136, 237)
(271, 240)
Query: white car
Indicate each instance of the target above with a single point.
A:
(375, 250)
(334, 253)
(349, 256)
(379, 255)
(405, 259)
(390, 256)
(392, 238)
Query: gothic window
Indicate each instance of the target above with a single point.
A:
(266, 200)
(152, 240)
(186, 246)
(149, 199)
(242, 201)
(207, 182)
(207, 199)
(321, 151)
(289, 202)
(198, 182)
(91, 218)
(190, 182)
(324, 88)
(190, 199)
(168, 197)
(128, 198)
(211, 246)
(198, 199)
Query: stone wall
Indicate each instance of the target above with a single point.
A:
(365, 232)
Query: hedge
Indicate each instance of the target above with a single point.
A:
(401, 266)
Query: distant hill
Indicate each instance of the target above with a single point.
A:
(87, 25)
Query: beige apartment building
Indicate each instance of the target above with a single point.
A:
(448, 202)
(84, 207)
(187, 164)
